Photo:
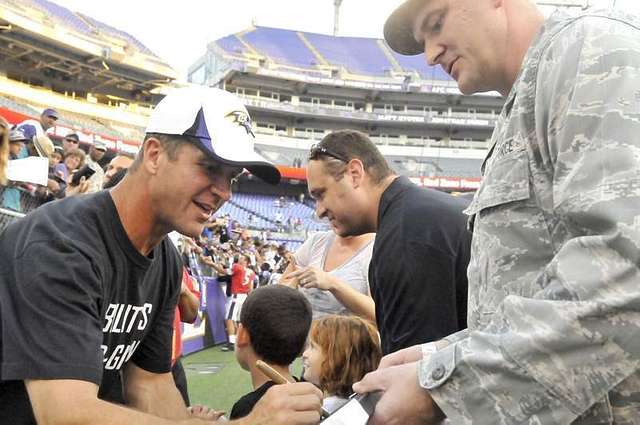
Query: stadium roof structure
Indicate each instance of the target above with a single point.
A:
(47, 44)
(307, 51)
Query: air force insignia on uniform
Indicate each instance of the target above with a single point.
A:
(509, 146)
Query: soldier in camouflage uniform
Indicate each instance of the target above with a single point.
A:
(554, 288)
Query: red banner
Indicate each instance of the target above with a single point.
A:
(13, 117)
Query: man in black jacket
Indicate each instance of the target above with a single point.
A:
(418, 270)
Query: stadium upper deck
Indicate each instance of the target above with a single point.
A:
(103, 80)
(298, 86)
(309, 51)
(357, 62)
(44, 44)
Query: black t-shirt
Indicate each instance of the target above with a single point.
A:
(77, 299)
(244, 406)
(418, 269)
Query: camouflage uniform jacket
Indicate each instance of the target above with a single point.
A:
(554, 285)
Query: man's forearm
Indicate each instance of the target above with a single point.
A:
(54, 407)
(188, 305)
(164, 401)
(105, 413)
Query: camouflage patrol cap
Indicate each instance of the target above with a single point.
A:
(398, 29)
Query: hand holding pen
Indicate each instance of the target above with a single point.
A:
(276, 377)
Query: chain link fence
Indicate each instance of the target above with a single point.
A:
(16, 202)
(7, 217)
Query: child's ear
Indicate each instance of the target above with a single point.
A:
(242, 336)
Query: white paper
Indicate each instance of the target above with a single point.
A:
(33, 169)
(351, 413)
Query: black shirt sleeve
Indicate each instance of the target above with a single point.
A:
(49, 314)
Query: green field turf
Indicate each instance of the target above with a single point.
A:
(216, 380)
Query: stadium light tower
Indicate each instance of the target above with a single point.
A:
(336, 16)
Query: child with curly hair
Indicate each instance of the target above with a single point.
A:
(340, 351)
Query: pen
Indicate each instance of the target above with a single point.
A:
(276, 377)
(271, 373)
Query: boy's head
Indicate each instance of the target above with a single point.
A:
(56, 156)
(274, 324)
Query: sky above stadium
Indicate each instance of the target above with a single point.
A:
(178, 31)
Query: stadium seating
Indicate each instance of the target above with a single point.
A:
(81, 23)
(16, 106)
(441, 167)
(358, 55)
(419, 64)
(265, 212)
(280, 155)
(245, 217)
(67, 119)
(282, 46)
(232, 45)
(62, 15)
(404, 165)
(81, 122)
(114, 32)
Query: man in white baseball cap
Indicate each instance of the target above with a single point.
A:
(98, 299)
(218, 123)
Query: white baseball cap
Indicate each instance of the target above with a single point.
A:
(219, 121)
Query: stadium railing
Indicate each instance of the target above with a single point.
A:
(28, 202)
(7, 217)
(409, 117)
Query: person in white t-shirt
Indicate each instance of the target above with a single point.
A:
(332, 272)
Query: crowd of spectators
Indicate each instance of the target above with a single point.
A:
(224, 242)
(66, 159)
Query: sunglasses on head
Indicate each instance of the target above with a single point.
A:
(317, 151)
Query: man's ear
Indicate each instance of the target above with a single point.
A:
(355, 172)
(242, 336)
(152, 155)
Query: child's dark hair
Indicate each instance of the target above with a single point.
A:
(277, 319)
